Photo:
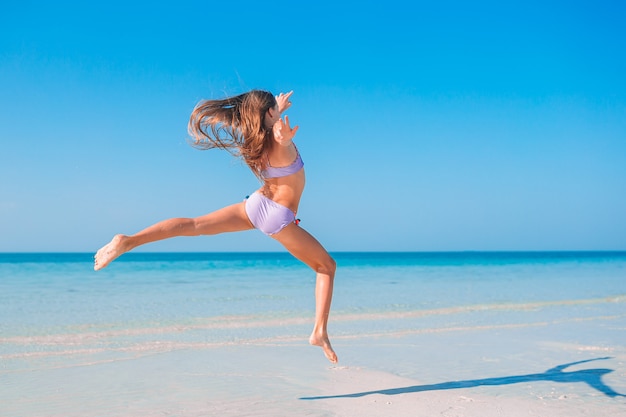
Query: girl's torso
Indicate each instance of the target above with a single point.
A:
(284, 177)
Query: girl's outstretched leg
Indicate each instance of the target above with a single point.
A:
(307, 249)
(229, 219)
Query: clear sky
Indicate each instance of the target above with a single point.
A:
(424, 126)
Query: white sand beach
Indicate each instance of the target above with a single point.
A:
(568, 367)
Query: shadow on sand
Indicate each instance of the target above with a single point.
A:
(591, 377)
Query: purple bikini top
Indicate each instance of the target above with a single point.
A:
(278, 172)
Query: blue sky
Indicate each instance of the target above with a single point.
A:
(449, 126)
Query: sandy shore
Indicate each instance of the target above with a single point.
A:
(566, 367)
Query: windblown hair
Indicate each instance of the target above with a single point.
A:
(235, 124)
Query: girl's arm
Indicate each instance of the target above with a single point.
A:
(286, 152)
(283, 101)
(283, 133)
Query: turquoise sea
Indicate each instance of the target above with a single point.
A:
(235, 297)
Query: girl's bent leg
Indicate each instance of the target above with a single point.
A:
(229, 219)
(307, 249)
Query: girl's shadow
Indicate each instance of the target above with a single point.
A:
(591, 377)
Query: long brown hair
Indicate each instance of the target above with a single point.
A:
(236, 124)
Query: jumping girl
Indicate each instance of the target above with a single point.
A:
(250, 126)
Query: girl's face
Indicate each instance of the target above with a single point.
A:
(272, 116)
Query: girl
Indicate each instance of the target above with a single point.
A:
(250, 126)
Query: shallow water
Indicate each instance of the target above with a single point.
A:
(235, 297)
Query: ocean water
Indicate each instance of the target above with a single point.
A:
(183, 333)
(142, 299)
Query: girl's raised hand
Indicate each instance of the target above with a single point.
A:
(283, 101)
(283, 133)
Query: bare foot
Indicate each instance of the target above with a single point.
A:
(323, 342)
(109, 252)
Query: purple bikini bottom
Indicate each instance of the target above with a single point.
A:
(267, 215)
